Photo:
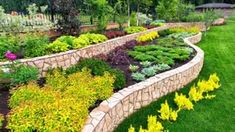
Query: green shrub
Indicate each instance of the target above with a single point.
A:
(22, 74)
(164, 33)
(8, 42)
(194, 17)
(66, 39)
(58, 46)
(98, 68)
(167, 52)
(52, 109)
(88, 39)
(134, 29)
(35, 45)
(1, 120)
(133, 19)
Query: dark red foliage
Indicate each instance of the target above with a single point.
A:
(118, 56)
(102, 57)
(150, 26)
(114, 34)
(131, 44)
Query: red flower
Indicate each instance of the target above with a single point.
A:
(10, 55)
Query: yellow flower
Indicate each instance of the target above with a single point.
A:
(183, 102)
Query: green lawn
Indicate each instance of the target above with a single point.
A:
(217, 115)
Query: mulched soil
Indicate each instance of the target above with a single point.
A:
(4, 109)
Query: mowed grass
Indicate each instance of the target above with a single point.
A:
(217, 115)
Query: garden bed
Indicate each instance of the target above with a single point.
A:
(69, 58)
(115, 76)
(123, 103)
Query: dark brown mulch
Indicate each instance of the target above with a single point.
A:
(4, 109)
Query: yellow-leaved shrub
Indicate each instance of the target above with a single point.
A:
(193, 29)
(167, 113)
(183, 102)
(153, 126)
(58, 106)
(203, 87)
(1, 120)
(148, 37)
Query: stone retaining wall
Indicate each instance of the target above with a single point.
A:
(69, 58)
(111, 112)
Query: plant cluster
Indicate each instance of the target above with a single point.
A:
(147, 37)
(156, 24)
(153, 126)
(181, 35)
(133, 68)
(114, 34)
(30, 45)
(130, 44)
(194, 29)
(53, 108)
(134, 29)
(118, 56)
(98, 68)
(65, 43)
(16, 73)
(159, 54)
(196, 93)
(172, 41)
(164, 33)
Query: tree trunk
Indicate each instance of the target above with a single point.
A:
(128, 4)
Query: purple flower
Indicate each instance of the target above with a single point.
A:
(10, 56)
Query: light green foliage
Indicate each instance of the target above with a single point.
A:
(133, 19)
(35, 45)
(153, 126)
(149, 72)
(8, 42)
(146, 63)
(134, 29)
(1, 120)
(138, 76)
(65, 43)
(182, 35)
(98, 68)
(133, 68)
(57, 46)
(57, 109)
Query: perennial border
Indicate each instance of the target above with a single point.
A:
(111, 112)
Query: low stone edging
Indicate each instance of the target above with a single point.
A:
(69, 58)
(111, 112)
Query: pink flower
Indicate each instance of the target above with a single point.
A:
(10, 55)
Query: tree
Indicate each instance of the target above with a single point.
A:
(167, 9)
(102, 10)
(120, 12)
(69, 23)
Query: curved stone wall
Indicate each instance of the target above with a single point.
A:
(114, 110)
(69, 58)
